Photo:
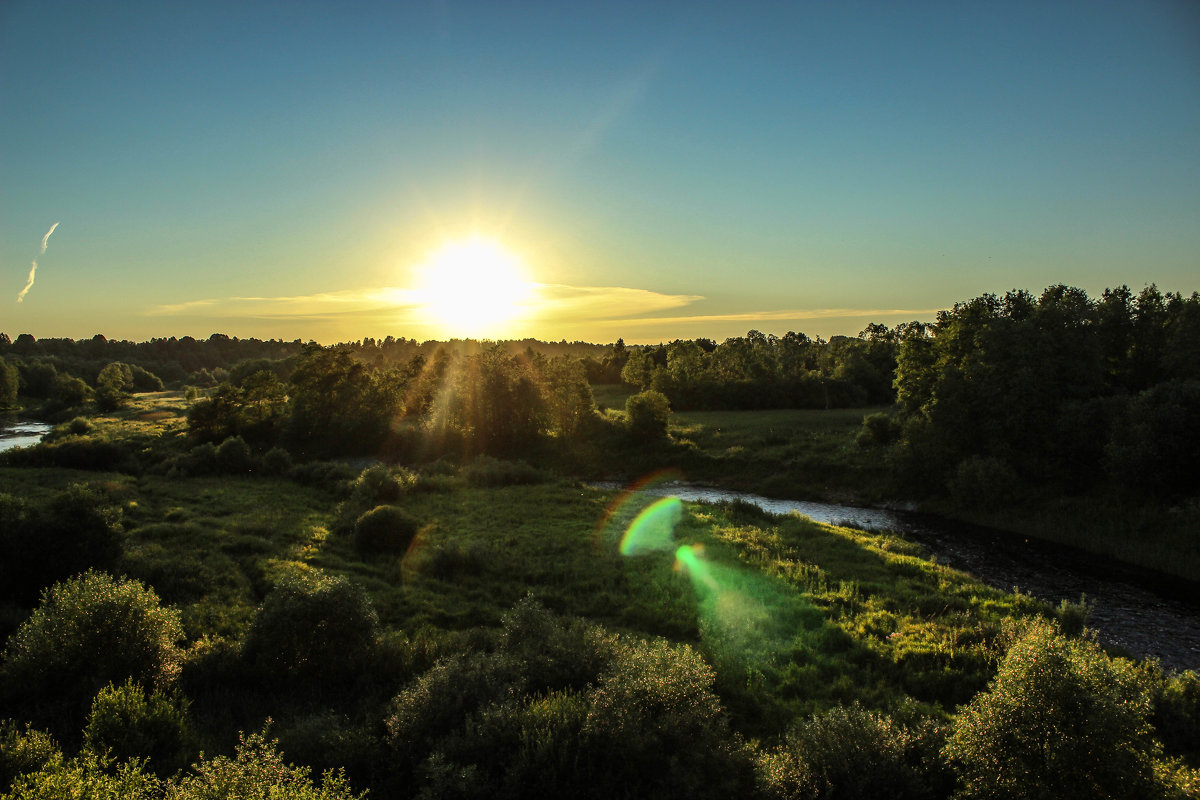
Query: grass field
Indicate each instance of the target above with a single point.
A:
(793, 618)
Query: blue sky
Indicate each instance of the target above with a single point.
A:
(661, 170)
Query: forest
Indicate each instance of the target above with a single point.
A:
(246, 568)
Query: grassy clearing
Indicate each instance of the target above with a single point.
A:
(795, 616)
(791, 453)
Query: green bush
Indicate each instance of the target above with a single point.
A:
(23, 751)
(322, 474)
(647, 414)
(257, 770)
(438, 702)
(557, 653)
(1060, 719)
(233, 457)
(845, 752)
(326, 740)
(384, 529)
(127, 721)
(88, 632)
(983, 482)
(488, 471)
(656, 726)
(377, 485)
(85, 777)
(314, 628)
(277, 461)
(1177, 711)
(878, 429)
(1072, 617)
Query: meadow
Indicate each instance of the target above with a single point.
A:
(461, 628)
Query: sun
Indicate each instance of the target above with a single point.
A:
(473, 287)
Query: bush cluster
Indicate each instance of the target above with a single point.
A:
(312, 628)
(88, 632)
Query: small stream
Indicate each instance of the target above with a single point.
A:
(21, 433)
(1143, 612)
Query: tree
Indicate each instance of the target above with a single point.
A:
(10, 382)
(112, 386)
(647, 414)
(1060, 719)
(339, 405)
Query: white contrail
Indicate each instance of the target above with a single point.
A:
(29, 283)
(46, 238)
(33, 266)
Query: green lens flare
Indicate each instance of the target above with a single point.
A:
(653, 530)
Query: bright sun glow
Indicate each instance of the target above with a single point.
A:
(474, 287)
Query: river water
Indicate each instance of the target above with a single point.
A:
(20, 433)
(1143, 612)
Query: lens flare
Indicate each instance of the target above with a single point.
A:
(653, 530)
(747, 619)
(626, 507)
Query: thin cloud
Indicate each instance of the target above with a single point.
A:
(549, 302)
(785, 314)
(46, 238)
(33, 265)
(559, 301)
(28, 282)
(321, 305)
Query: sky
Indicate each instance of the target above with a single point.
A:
(641, 170)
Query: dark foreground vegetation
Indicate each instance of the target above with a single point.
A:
(324, 572)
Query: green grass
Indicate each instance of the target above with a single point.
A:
(611, 395)
(796, 616)
(791, 453)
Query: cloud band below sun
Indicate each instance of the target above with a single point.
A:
(550, 307)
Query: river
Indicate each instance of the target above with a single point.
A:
(1144, 612)
(20, 433)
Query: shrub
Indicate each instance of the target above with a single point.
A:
(257, 770)
(376, 485)
(314, 628)
(844, 752)
(1060, 719)
(489, 471)
(277, 461)
(384, 529)
(88, 632)
(437, 702)
(656, 725)
(1177, 712)
(233, 457)
(24, 751)
(127, 721)
(557, 653)
(877, 429)
(322, 474)
(328, 741)
(1072, 617)
(983, 481)
(446, 560)
(647, 414)
(87, 776)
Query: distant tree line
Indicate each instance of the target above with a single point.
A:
(765, 371)
(1058, 390)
